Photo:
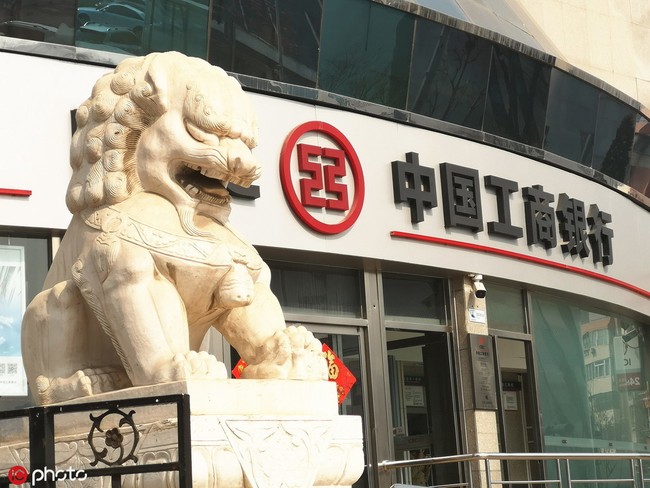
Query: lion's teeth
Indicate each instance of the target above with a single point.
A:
(192, 190)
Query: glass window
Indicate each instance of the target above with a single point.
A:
(410, 298)
(139, 27)
(505, 308)
(571, 118)
(448, 74)
(317, 289)
(23, 266)
(38, 21)
(591, 389)
(517, 97)
(176, 26)
(366, 51)
(639, 175)
(275, 40)
(614, 137)
(299, 40)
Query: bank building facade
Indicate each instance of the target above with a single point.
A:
(450, 203)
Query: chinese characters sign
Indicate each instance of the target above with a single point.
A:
(581, 230)
(483, 375)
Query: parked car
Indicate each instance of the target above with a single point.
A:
(119, 15)
(108, 38)
(28, 30)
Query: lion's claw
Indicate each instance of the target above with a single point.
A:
(194, 364)
(291, 353)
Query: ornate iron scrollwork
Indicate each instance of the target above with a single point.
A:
(113, 438)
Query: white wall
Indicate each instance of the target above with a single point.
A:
(606, 38)
(36, 96)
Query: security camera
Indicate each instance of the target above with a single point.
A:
(478, 286)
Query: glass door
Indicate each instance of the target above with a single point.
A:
(421, 404)
(346, 342)
(518, 432)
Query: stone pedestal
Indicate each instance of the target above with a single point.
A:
(244, 434)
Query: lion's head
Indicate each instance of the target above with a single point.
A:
(167, 124)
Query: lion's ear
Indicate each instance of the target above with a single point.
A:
(160, 76)
(151, 92)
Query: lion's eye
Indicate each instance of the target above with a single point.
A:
(200, 135)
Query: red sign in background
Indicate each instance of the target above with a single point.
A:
(317, 177)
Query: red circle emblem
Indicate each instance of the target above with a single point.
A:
(17, 475)
(321, 186)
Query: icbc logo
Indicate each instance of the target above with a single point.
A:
(321, 177)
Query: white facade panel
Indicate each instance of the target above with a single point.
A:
(38, 95)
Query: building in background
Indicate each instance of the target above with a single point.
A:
(415, 153)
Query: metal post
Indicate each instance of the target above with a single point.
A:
(642, 475)
(41, 444)
(488, 475)
(184, 443)
(568, 472)
(116, 481)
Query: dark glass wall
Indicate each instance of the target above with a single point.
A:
(371, 52)
(449, 73)
(276, 40)
(517, 97)
(366, 51)
(571, 118)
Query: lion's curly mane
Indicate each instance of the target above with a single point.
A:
(126, 102)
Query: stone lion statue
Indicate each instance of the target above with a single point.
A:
(149, 262)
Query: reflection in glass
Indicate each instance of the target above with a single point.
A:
(571, 118)
(614, 137)
(366, 51)
(275, 40)
(414, 298)
(317, 289)
(448, 74)
(139, 27)
(517, 97)
(592, 384)
(176, 25)
(639, 177)
(505, 308)
(38, 20)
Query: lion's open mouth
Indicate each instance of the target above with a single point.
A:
(202, 184)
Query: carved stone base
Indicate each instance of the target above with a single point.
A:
(245, 434)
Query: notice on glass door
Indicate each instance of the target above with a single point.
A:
(485, 392)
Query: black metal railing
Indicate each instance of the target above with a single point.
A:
(123, 460)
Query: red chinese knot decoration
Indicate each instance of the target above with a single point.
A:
(336, 371)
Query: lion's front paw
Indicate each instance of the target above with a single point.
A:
(292, 353)
(194, 364)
